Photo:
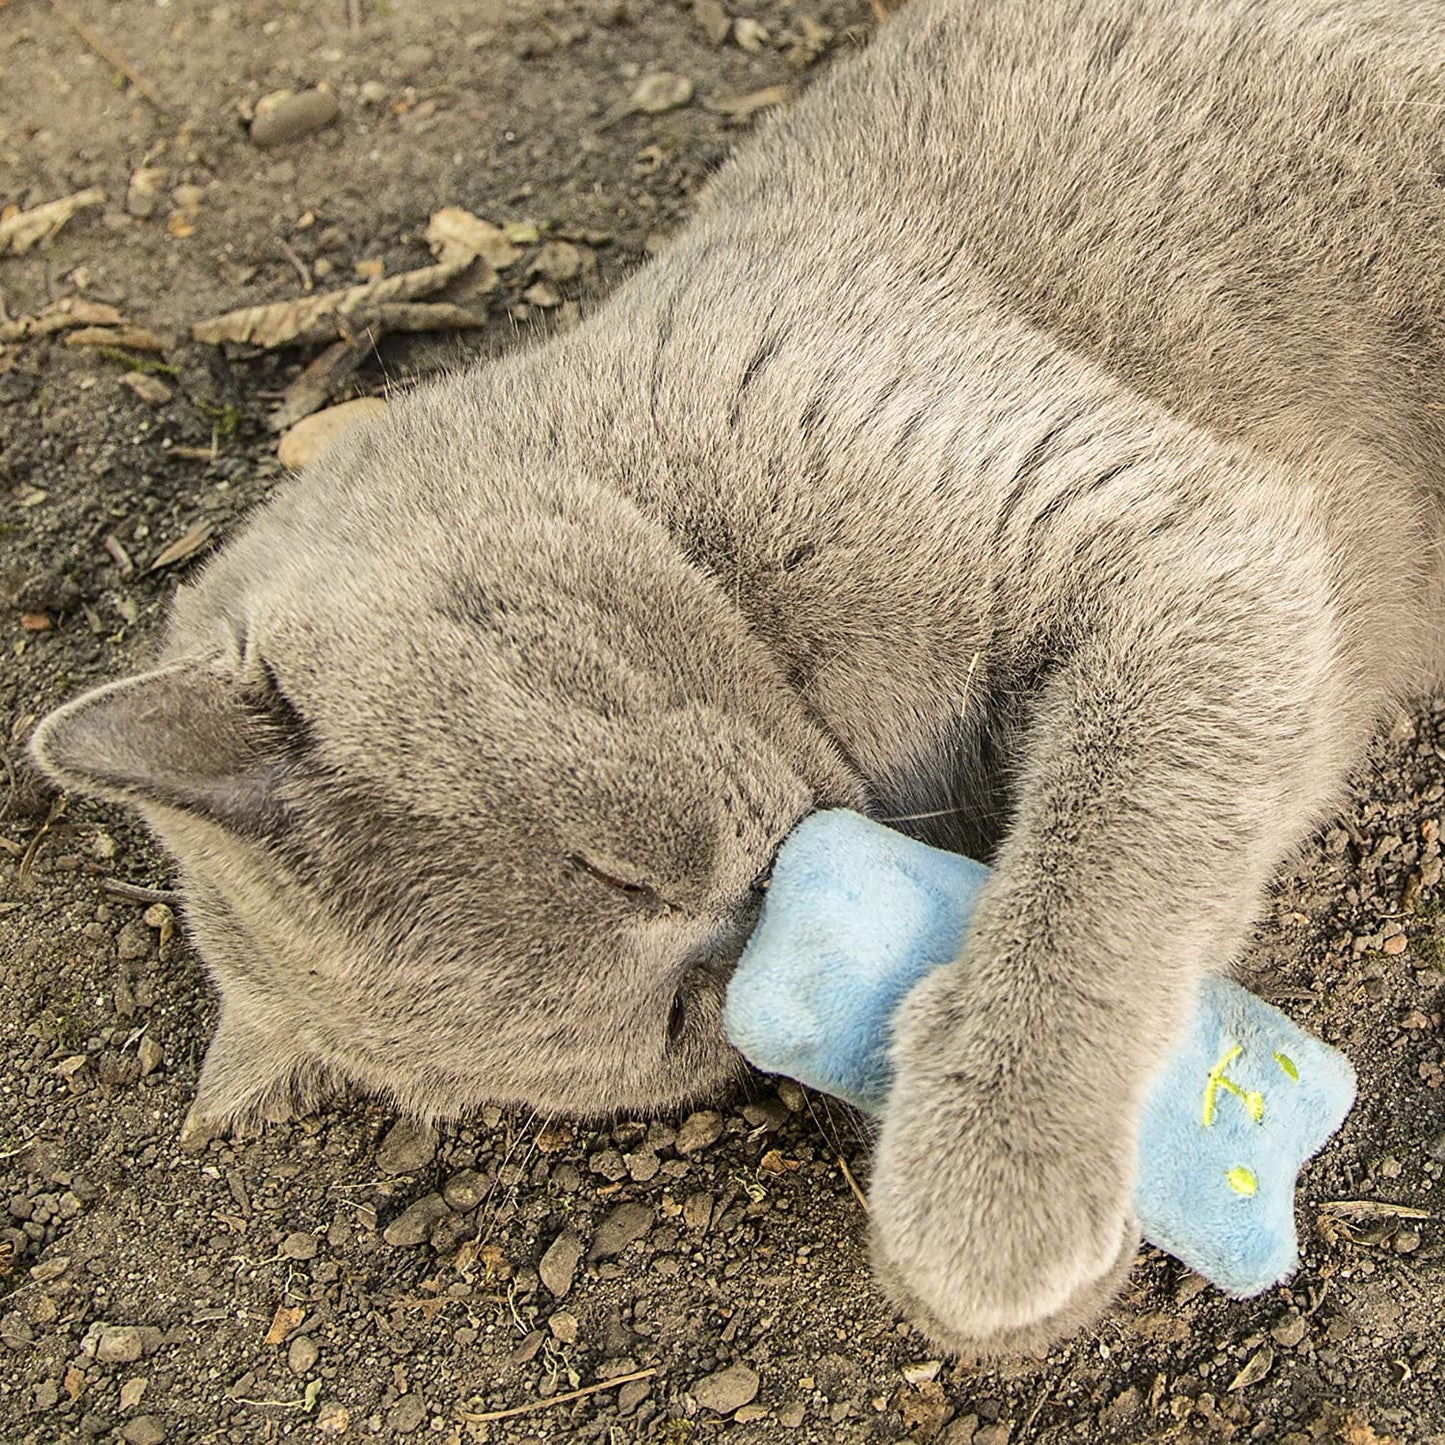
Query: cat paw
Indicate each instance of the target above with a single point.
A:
(253, 1074)
(1002, 1212)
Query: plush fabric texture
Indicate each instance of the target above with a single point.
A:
(857, 914)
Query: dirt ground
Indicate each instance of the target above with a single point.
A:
(668, 1280)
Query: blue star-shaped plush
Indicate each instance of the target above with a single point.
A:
(857, 914)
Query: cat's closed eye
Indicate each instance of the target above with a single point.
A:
(643, 893)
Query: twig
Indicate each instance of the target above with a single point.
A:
(138, 892)
(1039, 1402)
(307, 284)
(353, 15)
(472, 1417)
(27, 860)
(108, 55)
(853, 1185)
(119, 555)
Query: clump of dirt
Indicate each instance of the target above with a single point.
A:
(516, 1278)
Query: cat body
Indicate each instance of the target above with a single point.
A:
(1035, 441)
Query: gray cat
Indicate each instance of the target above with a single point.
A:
(1037, 440)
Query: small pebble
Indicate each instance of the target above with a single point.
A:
(466, 1190)
(133, 942)
(151, 1056)
(415, 1224)
(309, 440)
(143, 1430)
(119, 1345)
(283, 117)
(642, 1167)
(563, 1326)
(663, 91)
(143, 195)
(299, 1245)
(726, 1390)
(408, 1414)
(712, 20)
(697, 1210)
(626, 1224)
(558, 1267)
(301, 1354)
(631, 1395)
(333, 1418)
(699, 1130)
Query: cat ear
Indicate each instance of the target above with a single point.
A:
(189, 736)
(254, 1071)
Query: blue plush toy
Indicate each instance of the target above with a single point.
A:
(857, 914)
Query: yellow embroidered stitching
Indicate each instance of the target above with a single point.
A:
(1288, 1065)
(1242, 1180)
(1218, 1079)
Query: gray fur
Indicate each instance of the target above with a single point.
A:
(1037, 434)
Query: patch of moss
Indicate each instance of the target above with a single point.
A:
(147, 365)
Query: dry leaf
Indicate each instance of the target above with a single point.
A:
(740, 108)
(148, 388)
(184, 548)
(286, 1318)
(62, 315)
(320, 381)
(457, 236)
(18, 233)
(776, 1162)
(1255, 1368)
(329, 314)
(1372, 1209)
(129, 338)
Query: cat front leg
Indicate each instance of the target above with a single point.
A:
(1194, 729)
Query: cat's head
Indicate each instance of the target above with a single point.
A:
(473, 786)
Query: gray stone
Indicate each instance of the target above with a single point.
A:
(559, 1264)
(143, 1430)
(466, 1190)
(699, 1130)
(291, 117)
(726, 1390)
(631, 1395)
(133, 942)
(408, 1414)
(415, 1224)
(119, 1345)
(626, 1223)
(302, 1354)
(299, 1245)
(408, 1146)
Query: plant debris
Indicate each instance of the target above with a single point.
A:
(20, 230)
(379, 306)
